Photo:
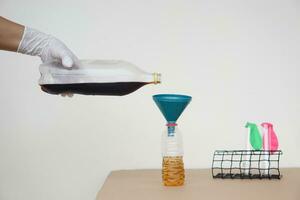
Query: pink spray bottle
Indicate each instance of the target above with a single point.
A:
(270, 141)
(270, 144)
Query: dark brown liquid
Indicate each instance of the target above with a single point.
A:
(116, 89)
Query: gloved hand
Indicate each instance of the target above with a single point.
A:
(47, 47)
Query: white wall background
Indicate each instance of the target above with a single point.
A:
(238, 59)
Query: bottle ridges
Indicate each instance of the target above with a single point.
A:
(173, 171)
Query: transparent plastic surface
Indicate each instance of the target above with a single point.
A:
(172, 144)
(172, 153)
(95, 77)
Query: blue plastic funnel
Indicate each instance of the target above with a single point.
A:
(171, 105)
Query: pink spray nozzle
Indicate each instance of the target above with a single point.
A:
(266, 124)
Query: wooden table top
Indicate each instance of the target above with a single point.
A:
(199, 184)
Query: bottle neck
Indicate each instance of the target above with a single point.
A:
(171, 128)
(150, 78)
(156, 78)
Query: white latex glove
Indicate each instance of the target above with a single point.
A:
(49, 48)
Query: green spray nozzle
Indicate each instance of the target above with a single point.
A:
(255, 136)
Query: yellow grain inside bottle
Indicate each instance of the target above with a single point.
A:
(173, 171)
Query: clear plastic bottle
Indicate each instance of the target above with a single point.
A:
(95, 77)
(172, 153)
(172, 106)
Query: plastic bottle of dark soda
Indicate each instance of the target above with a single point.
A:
(95, 77)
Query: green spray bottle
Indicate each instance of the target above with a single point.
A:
(255, 138)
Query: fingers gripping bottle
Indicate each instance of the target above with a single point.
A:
(172, 106)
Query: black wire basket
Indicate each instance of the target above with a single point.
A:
(246, 164)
